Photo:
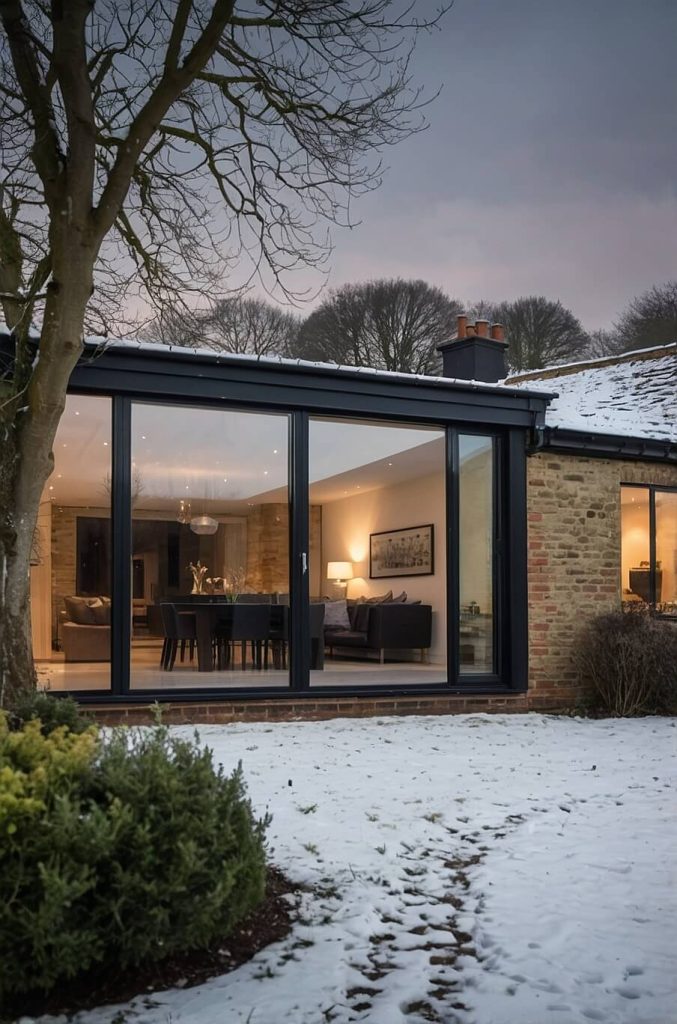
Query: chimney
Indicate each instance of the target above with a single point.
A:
(473, 354)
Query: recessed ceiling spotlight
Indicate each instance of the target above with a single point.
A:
(225, 479)
(187, 487)
(105, 444)
(143, 437)
(77, 413)
(390, 463)
(274, 451)
(51, 487)
(64, 445)
(265, 472)
(58, 476)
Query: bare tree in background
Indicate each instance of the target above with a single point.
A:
(602, 343)
(390, 325)
(650, 319)
(146, 143)
(241, 324)
(540, 332)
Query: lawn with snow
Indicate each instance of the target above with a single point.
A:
(476, 869)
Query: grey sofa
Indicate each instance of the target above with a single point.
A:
(85, 629)
(382, 627)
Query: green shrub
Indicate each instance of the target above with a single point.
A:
(117, 850)
(628, 660)
(52, 712)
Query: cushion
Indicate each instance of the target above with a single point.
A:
(380, 598)
(400, 598)
(101, 612)
(336, 615)
(361, 622)
(413, 602)
(80, 611)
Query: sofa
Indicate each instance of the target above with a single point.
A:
(385, 626)
(85, 628)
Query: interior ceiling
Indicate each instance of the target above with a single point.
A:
(223, 460)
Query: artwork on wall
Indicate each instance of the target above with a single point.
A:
(406, 552)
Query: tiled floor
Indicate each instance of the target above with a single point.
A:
(147, 674)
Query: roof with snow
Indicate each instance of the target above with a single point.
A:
(631, 395)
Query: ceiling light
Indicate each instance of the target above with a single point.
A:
(51, 487)
(77, 414)
(274, 451)
(265, 472)
(143, 437)
(204, 525)
(105, 444)
(225, 479)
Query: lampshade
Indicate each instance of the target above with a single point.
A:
(339, 570)
(204, 525)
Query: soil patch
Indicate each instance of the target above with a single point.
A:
(270, 922)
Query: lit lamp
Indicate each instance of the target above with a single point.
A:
(340, 573)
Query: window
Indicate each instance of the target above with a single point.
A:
(71, 560)
(649, 547)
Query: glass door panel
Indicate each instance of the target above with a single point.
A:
(210, 548)
(377, 568)
(476, 554)
(71, 557)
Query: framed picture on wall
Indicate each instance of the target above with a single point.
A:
(406, 552)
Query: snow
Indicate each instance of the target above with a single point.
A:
(215, 356)
(634, 395)
(472, 870)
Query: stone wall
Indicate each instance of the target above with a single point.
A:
(268, 548)
(574, 513)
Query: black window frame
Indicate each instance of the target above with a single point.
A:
(653, 489)
(127, 379)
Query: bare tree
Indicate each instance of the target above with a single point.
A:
(390, 325)
(602, 343)
(250, 325)
(540, 332)
(650, 319)
(145, 143)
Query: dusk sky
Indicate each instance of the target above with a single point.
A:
(550, 164)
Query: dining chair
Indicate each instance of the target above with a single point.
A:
(250, 623)
(177, 629)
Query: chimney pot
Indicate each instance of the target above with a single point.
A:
(482, 328)
(462, 325)
(497, 332)
(471, 330)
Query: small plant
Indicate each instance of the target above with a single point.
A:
(628, 660)
(53, 712)
(309, 809)
(311, 848)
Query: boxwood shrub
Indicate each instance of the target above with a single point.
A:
(117, 849)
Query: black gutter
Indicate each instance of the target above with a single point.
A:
(603, 446)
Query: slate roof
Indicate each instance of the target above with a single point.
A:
(632, 395)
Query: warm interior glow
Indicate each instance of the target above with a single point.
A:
(339, 571)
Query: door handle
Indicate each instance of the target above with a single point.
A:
(304, 562)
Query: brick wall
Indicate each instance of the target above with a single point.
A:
(574, 558)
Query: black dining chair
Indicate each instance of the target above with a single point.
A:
(177, 629)
(249, 623)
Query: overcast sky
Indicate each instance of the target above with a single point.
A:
(550, 164)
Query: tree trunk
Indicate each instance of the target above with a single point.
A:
(26, 462)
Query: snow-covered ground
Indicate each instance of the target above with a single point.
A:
(477, 869)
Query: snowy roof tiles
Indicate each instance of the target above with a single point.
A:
(632, 395)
